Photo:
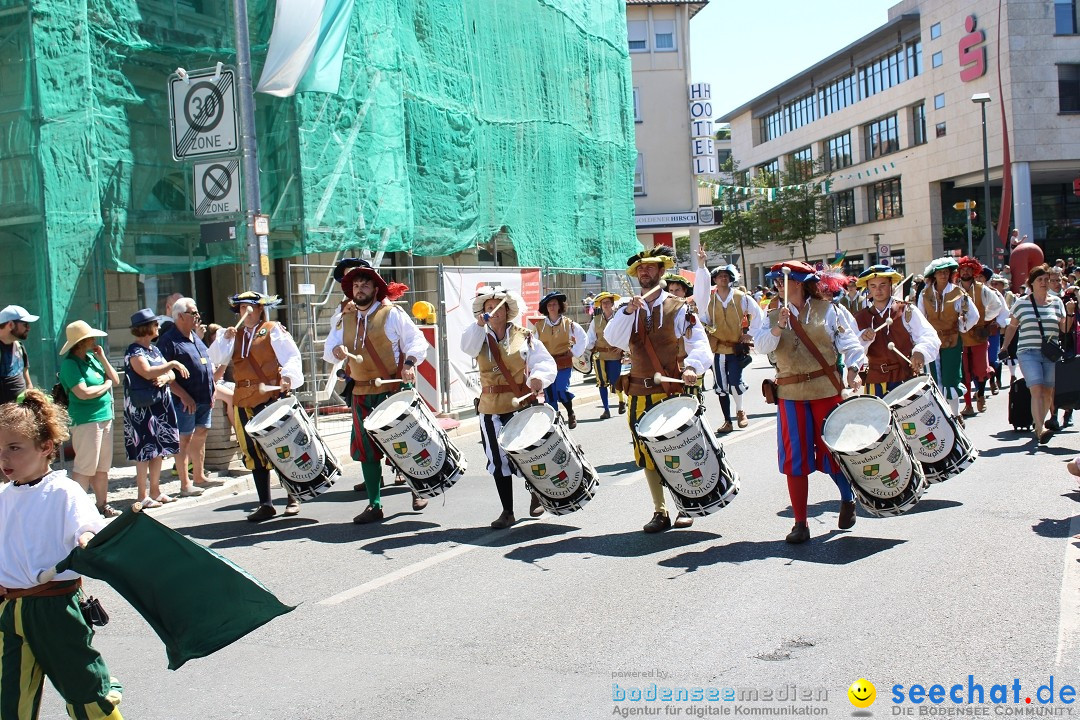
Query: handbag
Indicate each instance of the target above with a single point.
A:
(142, 397)
(92, 612)
(1051, 346)
(768, 389)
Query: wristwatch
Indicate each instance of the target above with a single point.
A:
(409, 362)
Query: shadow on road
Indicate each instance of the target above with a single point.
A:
(1051, 528)
(833, 506)
(824, 549)
(524, 531)
(238, 533)
(626, 545)
(617, 468)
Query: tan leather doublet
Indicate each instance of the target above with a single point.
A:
(665, 343)
(884, 365)
(793, 359)
(725, 323)
(604, 349)
(556, 339)
(375, 341)
(498, 403)
(974, 336)
(944, 319)
(246, 394)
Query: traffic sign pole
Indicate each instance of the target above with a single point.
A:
(258, 264)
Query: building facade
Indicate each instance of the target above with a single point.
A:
(666, 194)
(894, 122)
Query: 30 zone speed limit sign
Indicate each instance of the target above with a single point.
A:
(202, 113)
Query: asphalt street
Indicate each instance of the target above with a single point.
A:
(435, 615)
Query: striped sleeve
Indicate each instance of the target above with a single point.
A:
(1025, 313)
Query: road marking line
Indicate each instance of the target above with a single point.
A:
(1069, 614)
(410, 570)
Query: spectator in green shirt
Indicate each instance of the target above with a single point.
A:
(88, 377)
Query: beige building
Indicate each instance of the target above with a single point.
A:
(892, 119)
(666, 195)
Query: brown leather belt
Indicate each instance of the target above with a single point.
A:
(564, 360)
(802, 377)
(884, 368)
(496, 389)
(247, 383)
(55, 588)
(646, 383)
(365, 383)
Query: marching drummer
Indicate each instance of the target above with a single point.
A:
(266, 364)
(976, 341)
(890, 322)
(724, 308)
(951, 313)
(807, 336)
(382, 346)
(649, 327)
(564, 340)
(514, 366)
(608, 359)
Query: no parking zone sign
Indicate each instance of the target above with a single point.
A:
(217, 188)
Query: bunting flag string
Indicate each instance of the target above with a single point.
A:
(769, 193)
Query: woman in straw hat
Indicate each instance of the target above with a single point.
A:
(88, 378)
(512, 364)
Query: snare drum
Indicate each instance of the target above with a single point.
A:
(867, 445)
(935, 438)
(410, 437)
(553, 465)
(305, 464)
(688, 458)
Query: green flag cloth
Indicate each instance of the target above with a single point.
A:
(197, 601)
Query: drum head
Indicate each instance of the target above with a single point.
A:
(909, 388)
(527, 428)
(270, 415)
(856, 424)
(390, 409)
(667, 417)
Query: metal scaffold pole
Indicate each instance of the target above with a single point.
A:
(257, 250)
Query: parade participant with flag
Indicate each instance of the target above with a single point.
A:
(807, 336)
(564, 340)
(951, 313)
(513, 365)
(607, 360)
(976, 341)
(725, 311)
(380, 341)
(649, 328)
(266, 364)
(43, 516)
(889, 321)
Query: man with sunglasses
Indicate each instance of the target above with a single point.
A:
(14, 369)
(193, 397)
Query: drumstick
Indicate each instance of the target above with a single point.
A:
(882, 326)
(657, 378)
(356, 358)
(487, 315)
(265, 389)
(48, 574)
(892, 346)
(519, 401)
(380, 381)
(787, 274)
(245, 310)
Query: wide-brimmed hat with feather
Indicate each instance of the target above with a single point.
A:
(661, 254)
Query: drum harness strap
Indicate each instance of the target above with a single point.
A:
(374, 355)
(657, 367)
(826, 369)
(512, 385)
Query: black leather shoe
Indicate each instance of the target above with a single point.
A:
(418, 503)
(847, 515)
(535, 508)
(799, 534)
(293, 507)
(605, 415)
(571, 420)
(1052, 424)
(371, 514)
(682, 520)
(622, 408)
(263, 512)
(504, 521)
(659, 523)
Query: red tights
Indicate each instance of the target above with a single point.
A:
(798, 489)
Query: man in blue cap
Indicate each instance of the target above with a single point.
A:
(14, 369)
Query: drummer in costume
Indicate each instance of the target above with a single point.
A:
(951, 313)
(724, 311)
(807, 391)
(607, 360)
(650, 329)
(389, 345)
(852, 299)
(910, 333)
(976, 341)
(564, 340)
(266, 355)
(512, 363)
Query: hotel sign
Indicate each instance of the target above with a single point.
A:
(664, 219)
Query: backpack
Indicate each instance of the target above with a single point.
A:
(59, 393)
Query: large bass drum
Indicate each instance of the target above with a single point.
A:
(867, 445)
(688, 458)
(410, 437)
(553, 465)
(936, 440)
(286, 434)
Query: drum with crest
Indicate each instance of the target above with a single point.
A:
(936, 439)
(553, 465)
(866, 444)
(306, 465)
(404, 427)
(690, 461)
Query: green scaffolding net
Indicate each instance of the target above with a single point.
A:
(456, 120)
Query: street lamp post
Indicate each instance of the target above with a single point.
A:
(981, 99)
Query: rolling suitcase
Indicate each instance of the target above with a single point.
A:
(1020, 406)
